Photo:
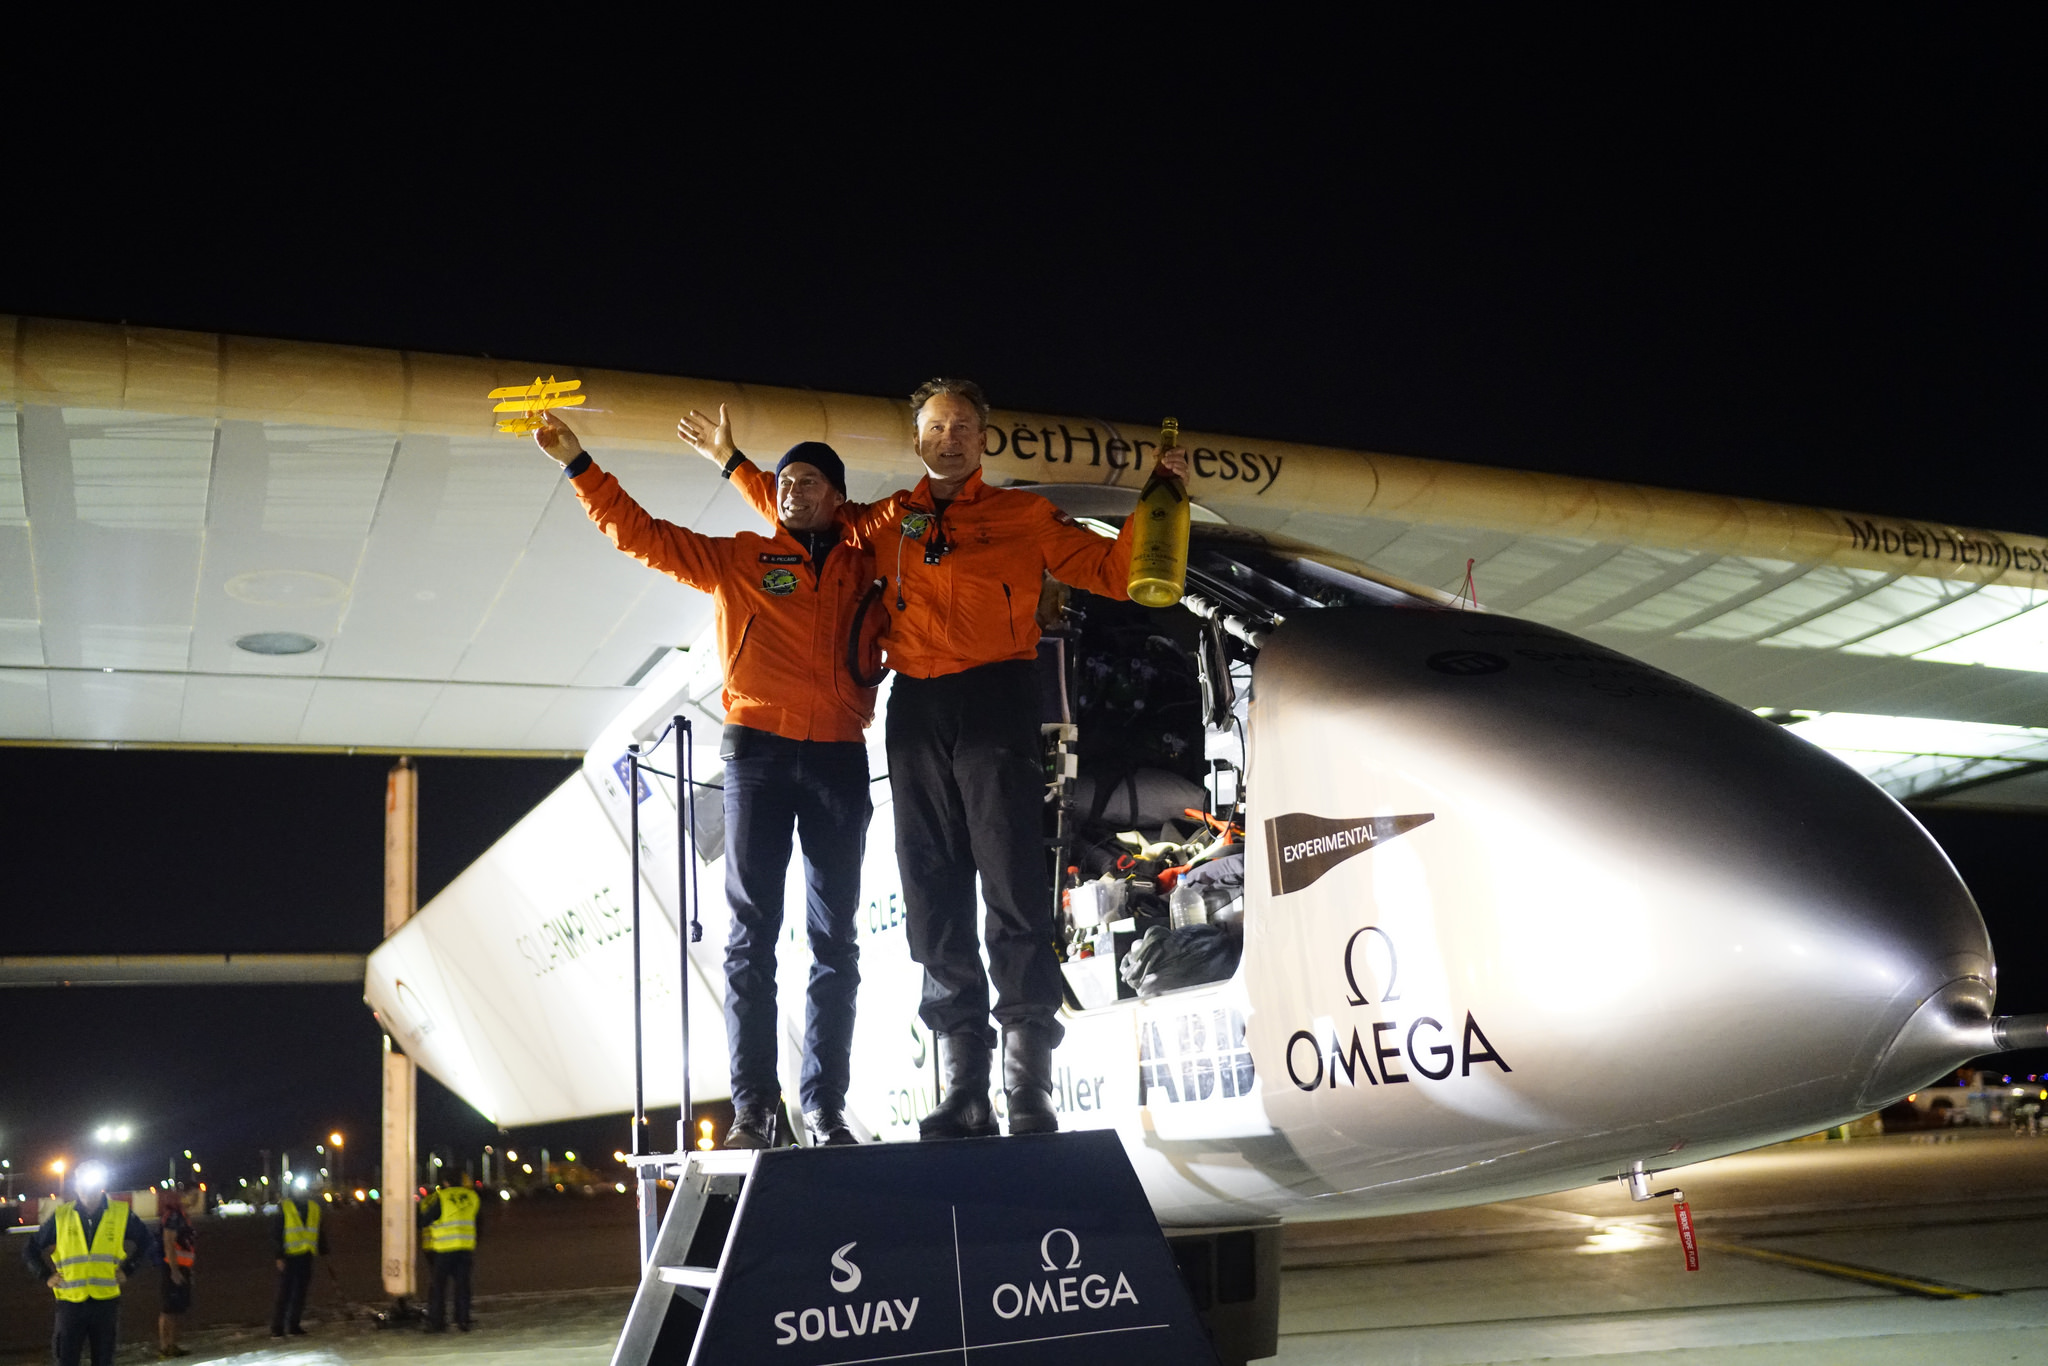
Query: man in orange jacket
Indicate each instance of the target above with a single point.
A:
(794, 756)
(964, 564)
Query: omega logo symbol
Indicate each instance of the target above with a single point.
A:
(1064, 1294)
(1045, 1258)
(1433, 1057)
(1357, 997)
(846, 1276)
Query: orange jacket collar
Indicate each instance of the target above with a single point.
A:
(969, 491)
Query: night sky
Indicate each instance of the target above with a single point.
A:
(1791, 262)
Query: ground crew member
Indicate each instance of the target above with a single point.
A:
(179, 1246)
(296, 1236)
(83, 1252)
(449, 1217)
(964, 564)
(794, 757)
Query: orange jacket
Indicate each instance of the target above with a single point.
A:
(979, 603)
(782, 626)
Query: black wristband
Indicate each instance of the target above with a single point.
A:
(577, 466)
(739, 457)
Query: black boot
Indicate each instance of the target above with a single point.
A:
(828, 1127)
(965, 1112)
(753, 1126)
(1027, 1080)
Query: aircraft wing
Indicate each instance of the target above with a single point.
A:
(230, 542)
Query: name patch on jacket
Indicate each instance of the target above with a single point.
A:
(782, 559)
(780, 582)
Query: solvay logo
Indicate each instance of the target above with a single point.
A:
(845, 1275)
(853, 1320)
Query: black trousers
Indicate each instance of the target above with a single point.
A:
(449, 1267)
(292, 1283)
(83, 1322)
(969, 788)
(817, 789)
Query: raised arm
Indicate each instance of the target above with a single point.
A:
(713, 441)
(677, 551)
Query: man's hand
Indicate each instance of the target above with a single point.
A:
(280, 1263)
(1175, 463)
(713, 440)
(560, 445)
(55, 1282)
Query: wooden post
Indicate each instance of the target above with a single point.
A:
(401, 1139)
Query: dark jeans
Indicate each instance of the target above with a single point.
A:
(80, 1322)
(969, 786)
(447, 1267)
(292, 1283)
(820, 789)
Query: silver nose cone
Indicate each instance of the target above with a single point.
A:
(1672, 918)
(1948, 1029)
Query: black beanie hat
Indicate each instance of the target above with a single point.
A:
(819, 454)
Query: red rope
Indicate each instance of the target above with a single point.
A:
(1471, 589)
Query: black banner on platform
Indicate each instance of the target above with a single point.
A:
(1043, 1247)
(1300, 848)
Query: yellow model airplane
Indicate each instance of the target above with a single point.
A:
(531, 402)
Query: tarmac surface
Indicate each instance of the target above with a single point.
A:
(1873, 1252)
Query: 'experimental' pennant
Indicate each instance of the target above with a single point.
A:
(1300, 848)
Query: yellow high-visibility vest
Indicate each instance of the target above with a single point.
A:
(88, 1273)
(301, 1238)
(454, 1228)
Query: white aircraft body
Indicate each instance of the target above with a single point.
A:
(1519, 913)
(1530, 896)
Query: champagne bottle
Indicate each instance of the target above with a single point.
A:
(1159, 553)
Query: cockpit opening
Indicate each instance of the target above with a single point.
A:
(1147, 762)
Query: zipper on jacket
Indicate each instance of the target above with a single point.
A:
(1010, 615)
(745, 631)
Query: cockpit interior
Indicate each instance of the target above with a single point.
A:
(1144, 716)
